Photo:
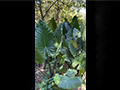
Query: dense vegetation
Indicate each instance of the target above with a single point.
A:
(60, 43)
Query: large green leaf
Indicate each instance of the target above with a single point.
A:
(75, 23)
(52, 24)
(67, 82)
(39, 57)
(81, 60)
(45, 39)
(70, 83)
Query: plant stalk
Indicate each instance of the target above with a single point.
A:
(43, 72)
(49, 66)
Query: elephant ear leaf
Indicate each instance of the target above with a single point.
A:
(45, 39)
(39, 57)
(68, 81)
(81, 60)
(75, 23)
(52, 24)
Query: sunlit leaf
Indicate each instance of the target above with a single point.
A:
(81, 60)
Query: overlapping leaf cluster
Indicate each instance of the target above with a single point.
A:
(67, 42)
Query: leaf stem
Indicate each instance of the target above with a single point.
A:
(43, 72)
(49, 66)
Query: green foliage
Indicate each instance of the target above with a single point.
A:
(66, 45)
(81, 60)
(52, 24)
(45, 39)
(39, 57)
(69, 80)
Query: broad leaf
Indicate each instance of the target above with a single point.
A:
(71, 72)
(81, 60)
(52, 24)
(69, 35)
(45, 39)
(76, 33)
(39, 57)
(80, 43)
(57, 78)
(65, 43)
(66, 27)
(73, 42)
(66, 82)
(75, 23)
(58, 32)
(70, 83)
(72, 49)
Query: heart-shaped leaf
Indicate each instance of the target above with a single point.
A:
(66, 82)
(45, 39)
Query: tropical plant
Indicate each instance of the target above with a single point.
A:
(64, 49)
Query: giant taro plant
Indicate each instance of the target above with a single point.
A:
(64, 49)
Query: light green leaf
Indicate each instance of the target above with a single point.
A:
(71, 72)
(57, 78)
(83, 31)
(45, 39)
(76, 33)
(66, 82)
(81, 60)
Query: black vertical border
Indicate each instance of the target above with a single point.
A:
(90, 46)
(102, 48)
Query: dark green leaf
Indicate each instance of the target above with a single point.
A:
(66, 27)
(39, 57)
(52, 24)
(58, 32)
(45, 39)
(75, 23)
(72, 49)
